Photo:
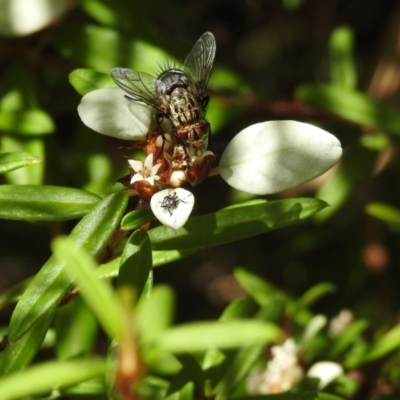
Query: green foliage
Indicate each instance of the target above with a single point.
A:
(309, 275)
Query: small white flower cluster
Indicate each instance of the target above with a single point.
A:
(281, 373)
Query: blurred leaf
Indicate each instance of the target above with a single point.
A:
(29, 122)
(76, 330)
(201, 336)
(51, 283)
(343, 69)
(235, 223)
(34, 146)
(18, 354)
(292, 396)
(154, 314)
(384, 212)
(351, 105)
(102, 49)
(86, 80)
(12, 294)
(136, 262)
(14, 160)
(387, 343)
(347, 337)
(117, 13)
(44, 203)
(356, 164)
(186, 392)
(135, 219)
(259, 289)
(49, 376)
(97, 294)
(21, 19)
(314, 294)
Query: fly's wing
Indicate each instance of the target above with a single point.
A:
(200, 60)
(138, 85)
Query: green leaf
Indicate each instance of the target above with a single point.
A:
(314, 294)
(44, 203)
(14, 160)
(51, 284)
(292, 396)
(29, 122)
(356, 164)
(136, 262)
(384, 212)
(260, 290)
(49, 376)
(343, 69)
(351, 105)
(97, 294)
(76, 330)
(154, 314)
(102, 49)
(386, 344)
(135, 219)
(235, 223)
(85, 80)
(21, 352)
(202, 336)
(32, 145)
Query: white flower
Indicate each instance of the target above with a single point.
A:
(172, 207)
(144, 171)
(281, 373)
(273, 156)
(110, 113)
(326, 371)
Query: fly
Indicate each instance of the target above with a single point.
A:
(177, 94)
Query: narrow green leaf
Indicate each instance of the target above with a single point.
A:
(29, 122)
(202, 336)
(76, 330)
(136, 262)
(21, 352)
(14, 160)
(154, 314)
(234, 223)
(347, 338)
(85, 80)
(44, 203)
(314, 294)
(135, 219)
(32, 145)
(384, 212)
(387, 343)
(343, 69)
(356, 164)
(97, 294)
(49, 376)
(351, 105)
(259, 289)
(51, 283)
(292, 396)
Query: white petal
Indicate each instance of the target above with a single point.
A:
(273, 156)
(24, 17)
(136, 165)
(109, 112)
(326, 371)
(176, 215)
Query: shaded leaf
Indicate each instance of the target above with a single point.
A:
(44, 203)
